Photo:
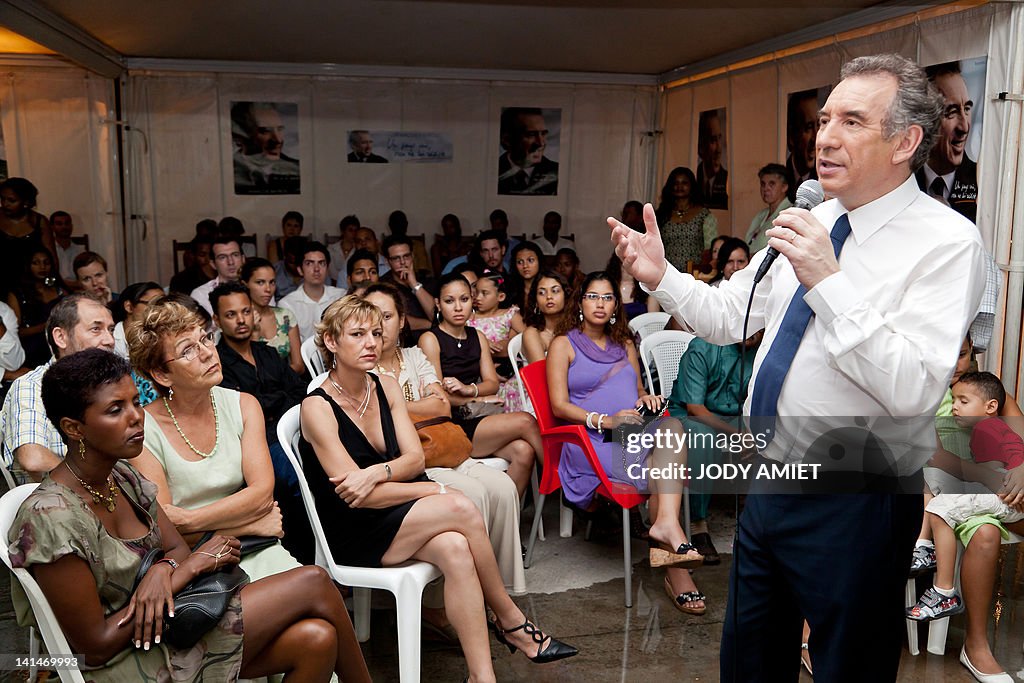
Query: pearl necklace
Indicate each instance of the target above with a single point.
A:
(109, 502)
(363, 405)
(216, 421)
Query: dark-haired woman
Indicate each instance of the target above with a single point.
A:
(131, 306)
(593, 379)
(22, 229)
(291, 226)
(567, 263)
(687, 226)
(527, 259)
(84, 531)
(546, 306)
(733, 255)
(461, 356)
(274, 325)
(32, 302)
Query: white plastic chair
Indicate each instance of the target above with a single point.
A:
(405, 581)
(665, 348)
(515, 354)
(646, 323)
(46, 620)
(312, 358)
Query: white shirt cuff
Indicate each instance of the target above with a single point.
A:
(832, 297)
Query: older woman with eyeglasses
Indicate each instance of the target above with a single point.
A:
(206, 448)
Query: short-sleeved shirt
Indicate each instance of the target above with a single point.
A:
(23, 420)
(992, 440)
(307, 311)
(709, 376)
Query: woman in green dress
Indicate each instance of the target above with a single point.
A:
(84, 531)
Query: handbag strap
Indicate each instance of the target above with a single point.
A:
(430, 422)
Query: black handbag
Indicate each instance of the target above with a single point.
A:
(200, 605)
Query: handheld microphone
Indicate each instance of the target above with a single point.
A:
(808, 196)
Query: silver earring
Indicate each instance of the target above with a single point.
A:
(170, 393)
(581, 316)
(334, 362)
(612, 320)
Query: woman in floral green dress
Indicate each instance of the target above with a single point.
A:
(83, 532)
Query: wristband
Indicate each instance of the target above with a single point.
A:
(590, 420)
(387, 469)
(417, 287)
(600, 419)
(476, 390)
(444, 489)
(168, 560)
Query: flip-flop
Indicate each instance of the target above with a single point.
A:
(806, 661)
(682, 601)
(684, 557)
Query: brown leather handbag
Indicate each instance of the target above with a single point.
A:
(444, 443)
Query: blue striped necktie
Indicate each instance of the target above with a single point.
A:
(776, 364)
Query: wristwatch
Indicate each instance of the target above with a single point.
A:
(416, 287)
(444, 489)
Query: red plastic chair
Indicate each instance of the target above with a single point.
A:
(554, 433)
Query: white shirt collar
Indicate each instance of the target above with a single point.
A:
(866, 220)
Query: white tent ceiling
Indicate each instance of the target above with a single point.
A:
(643, 37)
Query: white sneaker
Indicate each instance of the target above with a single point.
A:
(1001, 677)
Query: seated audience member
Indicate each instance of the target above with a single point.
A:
(91, 271)
(633, 215)
(708, 272)
(201, 269)
(227, 261)
(232, 227)
(493, 492)
(774, 190)
(66, 250)
(733, 255)
(461, 356)
(366, 238)
(527, 260)
(688, 225)
(489, 251)
(593, 379)
(567, 264)
(978, 399)
(31, 444)
(635, 300)
(361, 268)
(22, 229)
(286, 271)
(341, 251)
(70, 535)
(255, 368)
(364, 464)
(130, 306)
(398, 226)
(417, 296)
(499, 223)
(273, 324)
(196, 436)
(498, 325)
(707, 396)
(309, 301)
(448, 245)
(32, 302)
(12, 355)
(545, 308)
(550, 243)
(291, 226)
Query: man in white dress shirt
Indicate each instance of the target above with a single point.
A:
(228, 259)
(309, 301)
(872, 334)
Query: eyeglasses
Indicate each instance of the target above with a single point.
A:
(401, 257)
(191, 351)
(594, 296)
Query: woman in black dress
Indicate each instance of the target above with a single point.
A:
(32, 302)
(363, 461)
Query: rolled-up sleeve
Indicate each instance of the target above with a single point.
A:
(12, 355)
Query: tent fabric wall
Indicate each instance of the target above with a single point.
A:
(185, 118)
(58, 134)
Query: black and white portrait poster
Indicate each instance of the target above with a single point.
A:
(264, 139)
(712, 176)
(528, 164)
(802, 109)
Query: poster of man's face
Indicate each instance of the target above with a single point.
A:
(801, 132)
(360, 143)
(950, 174)
(265, 138)
(712, 176)
(528, 164)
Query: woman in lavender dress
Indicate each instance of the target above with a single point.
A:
(593, 379)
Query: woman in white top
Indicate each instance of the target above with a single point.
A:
(491, 490)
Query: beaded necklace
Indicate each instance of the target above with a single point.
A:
(109, 502)
(407, 392)
(216, 421)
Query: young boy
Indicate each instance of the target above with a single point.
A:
(977, 399)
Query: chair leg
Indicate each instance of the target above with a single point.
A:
(33, 650)
(533, 531)
(627, 557)
(361, 598)
(536, 496)
(408, 601)
(910, 601)
(564, 520)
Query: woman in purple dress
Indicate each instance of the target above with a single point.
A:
(593, 379)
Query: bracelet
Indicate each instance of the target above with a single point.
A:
(589, 420)
(168, 560)
(444, 489)
(600, 419)
(387, 469)
(476, 390)
(417, 287)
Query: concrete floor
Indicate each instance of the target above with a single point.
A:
(576, 593)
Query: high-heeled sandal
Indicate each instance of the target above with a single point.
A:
(555, 650)
(684, 557)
